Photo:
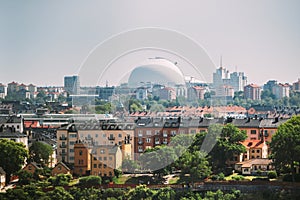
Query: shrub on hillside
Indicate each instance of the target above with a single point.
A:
(90, 180)
(272, 174)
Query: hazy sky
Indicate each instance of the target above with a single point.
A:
(41, 41)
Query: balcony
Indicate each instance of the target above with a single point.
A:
(63, 138)
(165, 142)
(63, 146)
(62, 153)
(140, 150)
(140, 142)
(157, 142)
(165, 135)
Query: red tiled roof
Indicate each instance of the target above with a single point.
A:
(253, 143)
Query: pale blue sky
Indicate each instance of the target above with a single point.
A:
(41, 41)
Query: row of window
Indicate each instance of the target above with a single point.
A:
(100, 165)
(104, 135)
(104, 158)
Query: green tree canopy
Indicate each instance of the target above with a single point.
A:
(195, 164)
(228, 144)
(285, 145)
(40, 152)
(12, 156)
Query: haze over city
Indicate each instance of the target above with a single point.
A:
(42, 41)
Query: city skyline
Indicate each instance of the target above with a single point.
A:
(43, 42)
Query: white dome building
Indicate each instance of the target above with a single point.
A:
(158, 71)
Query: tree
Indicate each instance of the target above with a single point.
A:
(195, 164)
(129, 165)
(285, 145)
(141, 192)
(228, 144)
(60, 193)
(12, 157)
(90, 180)
(165, 193)
(40, 152)
(60, 179)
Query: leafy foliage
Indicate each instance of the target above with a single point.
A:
(12, 156)
(40, 152)
(285, 146)
(90, 181)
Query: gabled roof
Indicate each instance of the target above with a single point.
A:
(62, 164)
(37, 166)
(253, 144)
(256, 161)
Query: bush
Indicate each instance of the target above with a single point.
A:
(272, 174)
(60, 179)
(238, 177)
(90, 180)
(219, 177)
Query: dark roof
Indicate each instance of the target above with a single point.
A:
(37, 166)
(271, 123)
(63, 164)
(248, 122)
(9, 134)
(10, 119)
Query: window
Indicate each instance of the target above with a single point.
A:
(18, 126)
(148, 132)
(140, 149)
(29, 167)
(257, 151)
(102, 151)
(148, 140)
(99, 158)
(59, 168)
(173, 133)
(104, 166)
(71, 150)
(104, 135)
(73, 135)
(72, 158)
(120, 135)
(99, 165)
(156, 132)
(110, 158)
(110, 174)
(95, 165)
(96, 135)
(253, 151)
(140, 133)
(80, 152)
(253, 132)
(95, 158)
(193, 131)
(72, 143)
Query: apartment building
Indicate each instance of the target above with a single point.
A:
(93, 133)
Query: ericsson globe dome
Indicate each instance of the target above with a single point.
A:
(156, 70)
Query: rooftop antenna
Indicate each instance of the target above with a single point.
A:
(221, 65)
